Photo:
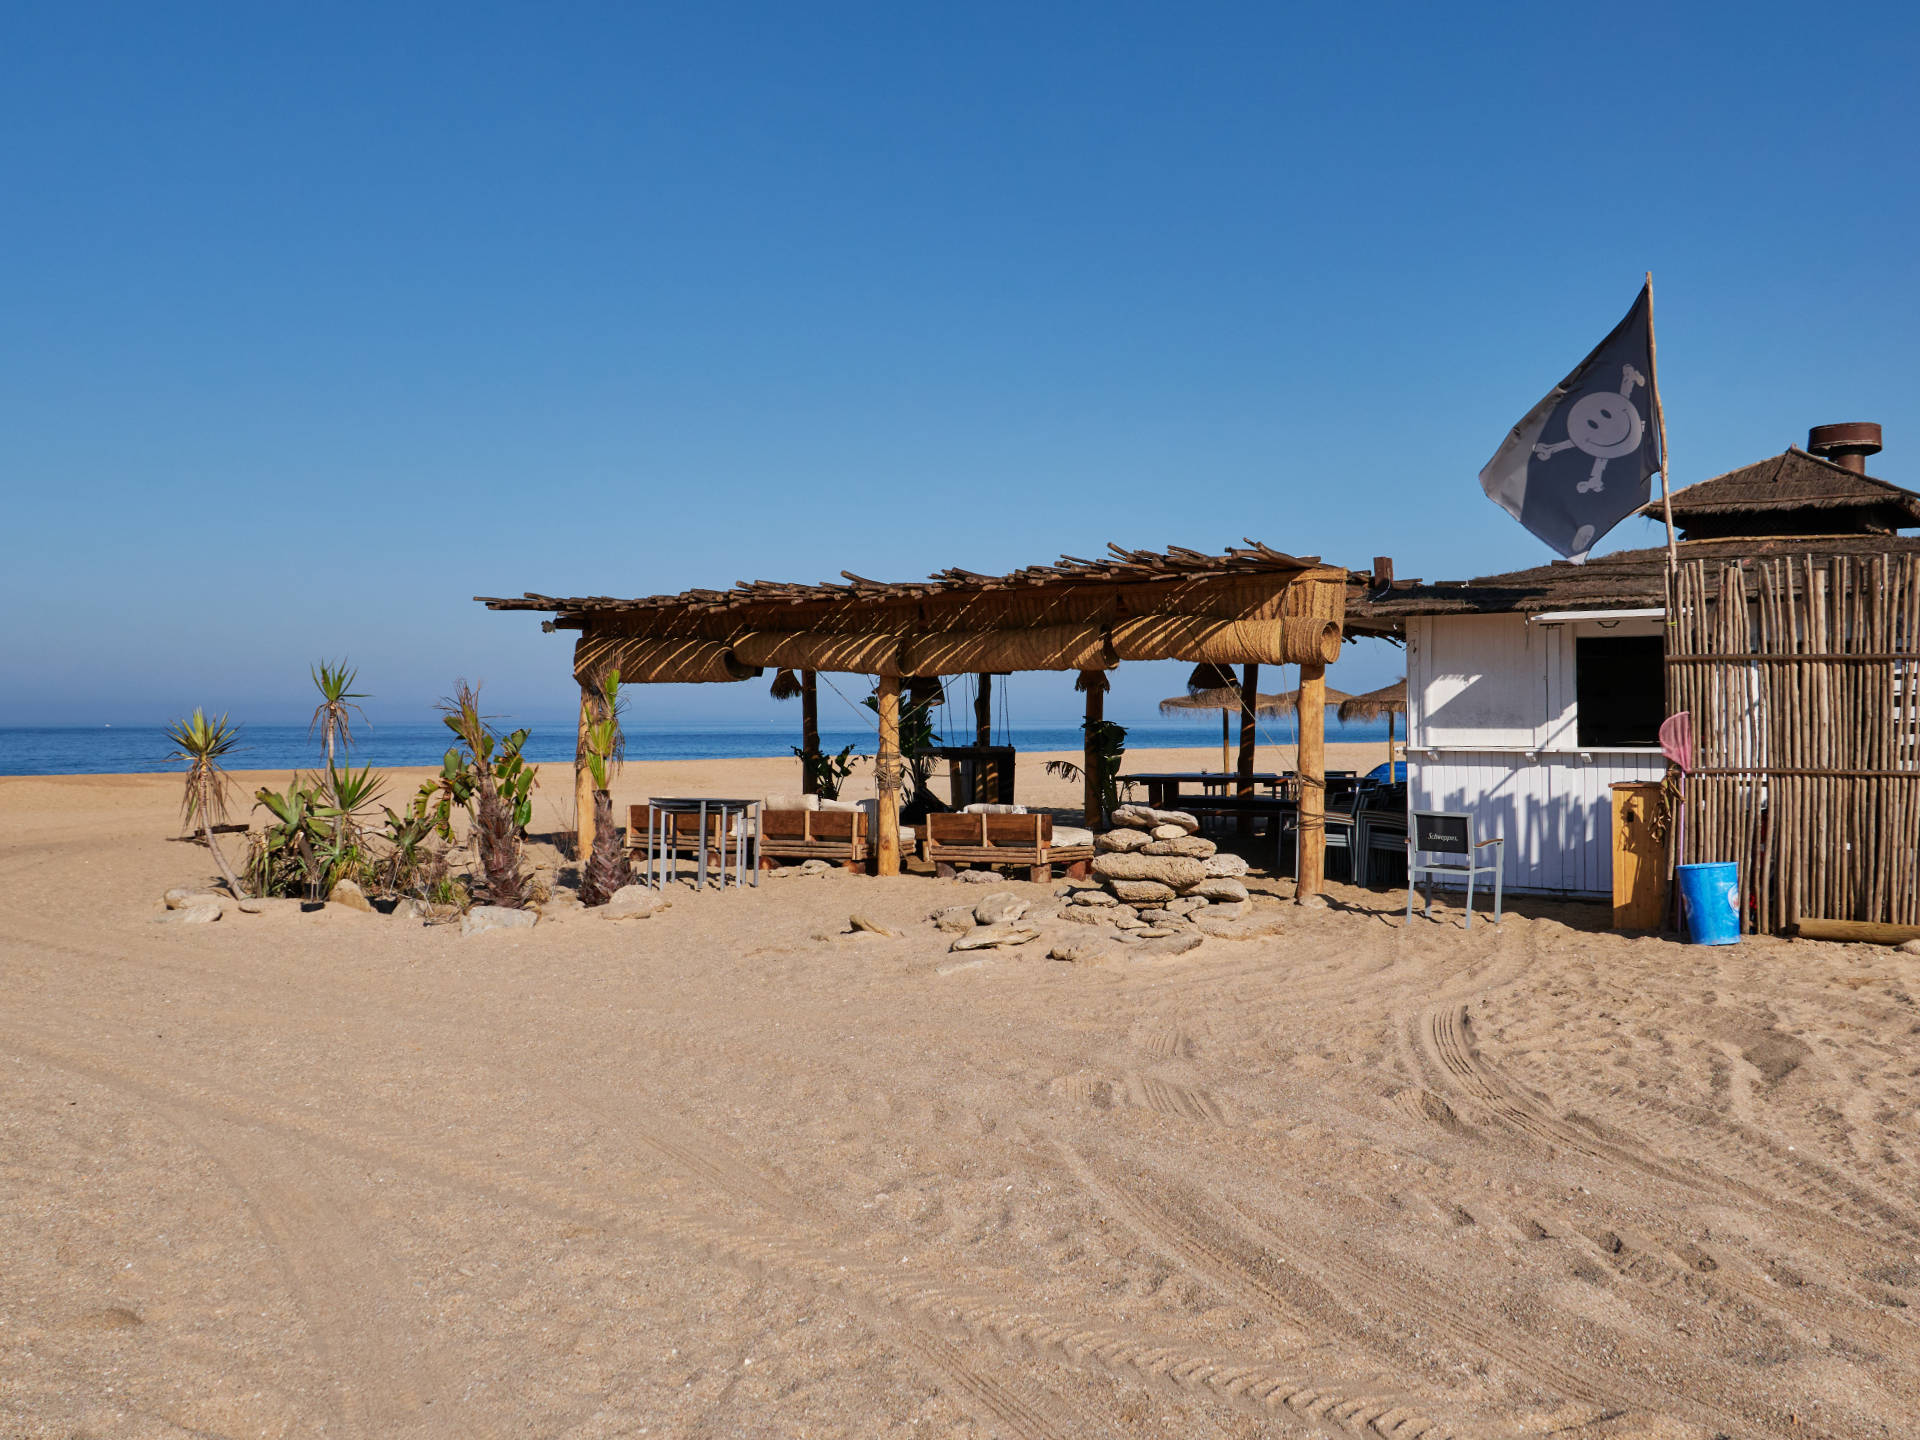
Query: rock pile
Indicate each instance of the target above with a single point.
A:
(1156, 878)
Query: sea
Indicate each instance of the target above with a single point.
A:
(137, 749)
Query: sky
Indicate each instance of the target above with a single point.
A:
(320, 321)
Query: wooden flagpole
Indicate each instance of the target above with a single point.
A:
(1666, 463)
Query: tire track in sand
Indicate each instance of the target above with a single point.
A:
(907, 1309)
(1445, 1037)
(1336, 1270)
(368, 1335)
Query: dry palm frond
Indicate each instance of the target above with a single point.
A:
(1225, 699)
(786, 686)
(1092, 680)
(1207, 678)
(1287, 702)
(1387, 700)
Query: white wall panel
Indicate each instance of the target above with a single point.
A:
(1556, 811)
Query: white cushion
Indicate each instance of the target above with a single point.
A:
(791, 802)
(1071, 835)
(985, 809)
(842, 804)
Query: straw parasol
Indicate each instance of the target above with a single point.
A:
(1388, 700)
(1213, 687)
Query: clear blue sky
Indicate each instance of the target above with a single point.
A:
(318, 323)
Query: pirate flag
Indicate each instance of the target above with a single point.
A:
(1582, 459)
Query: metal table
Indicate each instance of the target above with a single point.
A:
(663, 850)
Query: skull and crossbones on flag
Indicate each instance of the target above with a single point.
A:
(1583, 459)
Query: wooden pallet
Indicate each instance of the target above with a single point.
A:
(1025, 841)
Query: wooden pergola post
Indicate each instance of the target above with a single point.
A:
(583, 778)
(983, 710)
(809, 732)
(1094, 682)
(1311, 848)
(886, 780)
(1249, 688)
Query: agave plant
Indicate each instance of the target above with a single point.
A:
(286, 854)
(336, 708)
(346, 794)
(411, 864)
(607, 869)
(205, 744)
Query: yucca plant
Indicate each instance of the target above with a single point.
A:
(205, 744)
(411, 865)
(500, 785)
(607, 869)
(332, 715)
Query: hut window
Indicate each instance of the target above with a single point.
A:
(1620, 690)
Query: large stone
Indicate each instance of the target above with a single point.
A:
(203, 914)
(1220, 887)
(1194, 847)
(1177, 872)
(412, 909)
(978, 877)
(1222, 927)
(1127, 918)
(955, 919)
(989, 937)
(346, 893)
(634, 902)
(1087, 915)
(1910, 947)
(1144, 817)
(1096, 898)
(1165, 947)
(483, 918)
(1122, 840)
(189, 899)
(1168, 832)
(1090, 951)
(1187, 904)
(1226, 865)
(1142, 892)
(1000, 908)
(1229, 909)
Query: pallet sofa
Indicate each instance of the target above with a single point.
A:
(1005, 835)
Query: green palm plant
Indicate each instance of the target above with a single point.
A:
(205, 744)
(336, 707)
(285, 853)
(499, 784)
(607, 869)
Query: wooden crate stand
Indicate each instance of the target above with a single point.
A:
(1023, 840)
(837, 836)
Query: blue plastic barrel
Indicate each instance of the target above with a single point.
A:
(1710, 899)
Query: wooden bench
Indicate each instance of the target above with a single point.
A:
(837, 836)
(1022, 840)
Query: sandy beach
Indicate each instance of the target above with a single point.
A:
(731, 1171)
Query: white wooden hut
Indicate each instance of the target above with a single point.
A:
(1530, 693)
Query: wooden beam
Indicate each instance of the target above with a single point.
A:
(809, 731)
(1311, 862)
(1096, 685)
(1249, 687)
(583, 780)
(1862, 932)
(983, 711)
(886, 779)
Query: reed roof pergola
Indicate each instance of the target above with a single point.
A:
(1250, 605)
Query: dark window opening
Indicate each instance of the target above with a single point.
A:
(1619, 690)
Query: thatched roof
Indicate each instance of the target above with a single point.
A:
(1290, 699)
(1226, 698)
(1624, 580)
(1248, 605)
(1388, 699)
(1791, 494)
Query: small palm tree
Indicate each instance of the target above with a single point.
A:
(205, 744)
(607, 869)
(330, 716)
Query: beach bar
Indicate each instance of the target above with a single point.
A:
(1248, 606)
